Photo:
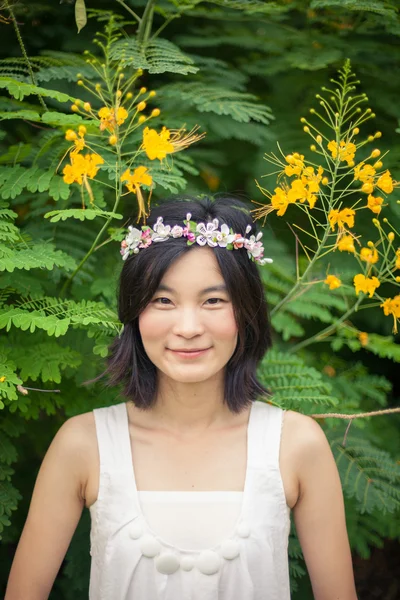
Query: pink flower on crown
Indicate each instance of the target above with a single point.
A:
(254, 247)
(238, 241)
(146, 239)
(208, 233)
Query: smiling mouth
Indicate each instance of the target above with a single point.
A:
(189, 353)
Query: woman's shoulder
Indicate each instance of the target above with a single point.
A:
(303, 437)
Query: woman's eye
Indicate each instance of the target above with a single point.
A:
(215, 301)
(162, 300)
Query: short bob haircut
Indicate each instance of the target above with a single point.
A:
(128, 363)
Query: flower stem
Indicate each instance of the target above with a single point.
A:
(327, 331)
(94, 247)
(23, 50)
(138, 19)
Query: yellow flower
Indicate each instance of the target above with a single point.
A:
(296, 164)
(158, 145)
(82, 167)
(363, 337)
(369, 255)
(346, 244)
(385, 182)
(367, 285)
(139, 177)
(333, 282)
(280, 201)
(364, 173)
(108, 119)
(346, 151)
(341, 217)
(391, 306)
(374, 204)
(311, 179)
(133, 181)
(2, 379)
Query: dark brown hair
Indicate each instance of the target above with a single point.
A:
(128, 363)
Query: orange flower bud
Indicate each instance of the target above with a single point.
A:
(155, 112)
(375, 153)
(141, 119)
(142, 90)
(152, 94)
(74, 108)
(391, 236)
(113, 140)
(141, 106)
(87, 106)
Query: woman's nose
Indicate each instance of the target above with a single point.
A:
(188, 323)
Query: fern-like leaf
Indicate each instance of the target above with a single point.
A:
(211, 98)
(80, 214)
(157, 56)
(40, 255)
(19, 90)
(367, 473)
(46, 361)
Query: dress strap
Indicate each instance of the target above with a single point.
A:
(265, 428)
(113, 437)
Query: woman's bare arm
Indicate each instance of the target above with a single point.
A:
(319, 514)
(56, 507)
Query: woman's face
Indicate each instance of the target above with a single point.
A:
(188, 329)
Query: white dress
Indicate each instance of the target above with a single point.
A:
(239, 553)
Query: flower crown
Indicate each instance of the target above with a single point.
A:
(201, 233)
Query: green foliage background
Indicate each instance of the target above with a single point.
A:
(245, 71)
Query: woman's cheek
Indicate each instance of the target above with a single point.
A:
(152, 322)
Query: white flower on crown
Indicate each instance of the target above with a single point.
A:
(161, 231)
(207, 233)
(224, 237)
(133, 238)
(177, 231)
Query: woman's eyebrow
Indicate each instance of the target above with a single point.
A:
(214, 288)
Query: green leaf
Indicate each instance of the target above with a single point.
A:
(157, 56)
(365, 5)
(80, 213)
(27, 115)
(80, 14)
(41, 255)
(41, 182)
(211, 98)
(58, 188)
(46, 361)
(19, 90)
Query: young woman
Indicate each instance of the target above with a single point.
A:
(190, 483)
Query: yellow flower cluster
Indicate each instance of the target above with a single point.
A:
(303, 189)
(368, 177)
(82, 167)
(109, 118)
(345, 150)
(367, 285)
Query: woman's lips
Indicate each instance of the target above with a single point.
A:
(189, 353)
